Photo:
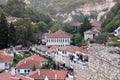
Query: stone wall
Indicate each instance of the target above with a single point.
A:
(104, 64)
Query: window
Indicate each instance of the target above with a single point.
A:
(6, 64)
(25, 71)
(28, 70)
(18, 70)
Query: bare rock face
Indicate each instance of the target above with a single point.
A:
(104, 64)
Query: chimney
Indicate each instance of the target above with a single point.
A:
(4, 51)
(13, 71)
(38, 71)
(55, 76)
(46, 78)
(24, 61)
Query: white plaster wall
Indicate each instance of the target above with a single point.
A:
(88, 36)
(2, 66)
(22, 71)
(57, 41)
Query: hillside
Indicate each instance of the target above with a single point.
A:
(71, 10)
(112, 19)
(68, 10)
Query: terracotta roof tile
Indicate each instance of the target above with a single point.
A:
(73, 49)
(4, 57)
(92, 31)
(59, 34)
(31, 61)
(49, 73)
(95, 23)
(9, 76)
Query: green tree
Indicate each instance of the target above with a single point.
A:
(11, 35)
(15, 7)
(24, 32)
(101, 38)
(85, 26)
(110, 27)
(42, 27)
(3, 32)
(77, 39)
(54, 28)
(67, 27)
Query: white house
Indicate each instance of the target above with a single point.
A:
(11, 19)
(117, 32)
(58, 38)
(11, 75)
(52, 51)
(96, 27)
(26, 65)
(6, 60)
(68, 54)
(90, 34)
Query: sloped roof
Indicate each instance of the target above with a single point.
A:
(31, 61)
(4, 57)
(9, 76)
(59, 34)
(95, 23)
(92, 31)
(73, 49)
(49, 73)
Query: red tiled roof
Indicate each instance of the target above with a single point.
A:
(73, 49)
(4, 57)
(92, 31)
(95, 23)
(53, 49)
(59, 34)
(9, 76)
(49, 73)
(31, 61)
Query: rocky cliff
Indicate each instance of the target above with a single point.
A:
(68, 10)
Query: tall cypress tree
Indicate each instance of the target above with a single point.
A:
(3, 32)
(85, 26)
(12, 35)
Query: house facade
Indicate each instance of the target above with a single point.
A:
(76, 26)
(117, 32)
(58, 38)
(71, 54)
(11, 19)
(11, 75)
(91, 34)
(28, 64)
(6, 60)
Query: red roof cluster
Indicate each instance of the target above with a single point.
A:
(9, 76)
(50, 74)
(73, 49)
(31, 61)
(59, 34)
(4, 57)
(52, 49)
